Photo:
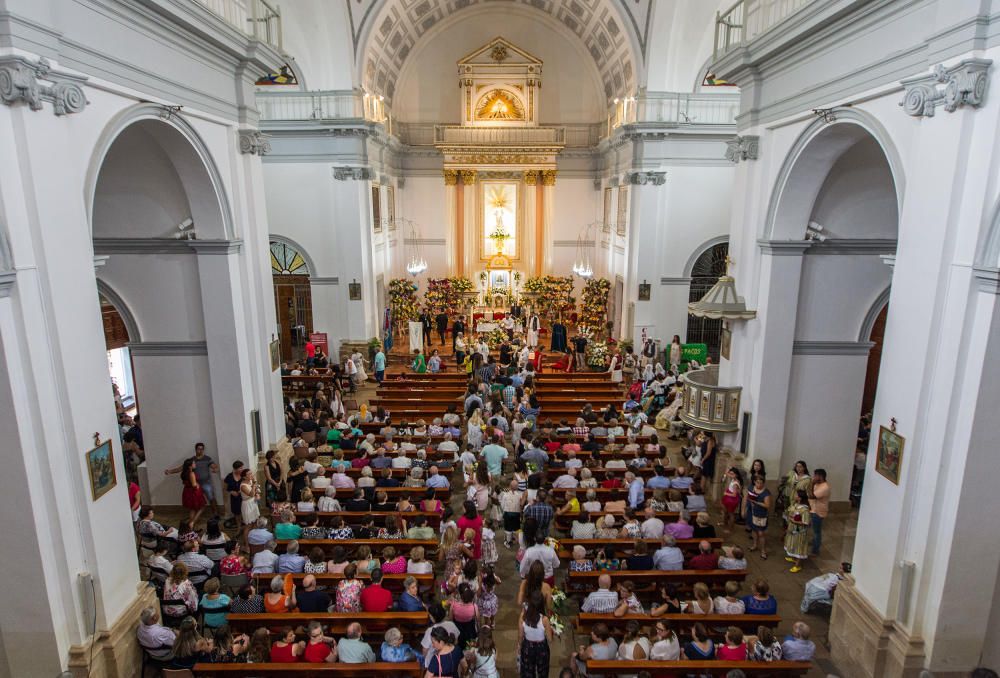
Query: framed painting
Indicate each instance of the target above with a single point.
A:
(622, 210)
(390, 206)
(889, 454)
(645, 290)
(606, 224)
(275, 349)
(354, 291)
(101, 469)
(376, 209)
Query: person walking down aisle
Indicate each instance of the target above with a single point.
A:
(533, 636)
(819, 507)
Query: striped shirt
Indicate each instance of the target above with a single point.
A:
(601, 601)
(542, 513)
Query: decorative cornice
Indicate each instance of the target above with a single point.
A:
(7, 280)
(355, 173)
(548, 177)
(319, 280)
(784, 248)
(963, 84)
(644, 178)
(215, 246)
(20, 83)
(675, 281)
(872, 246)
(254, 142)
(168, 348)
(987, 279)
(425, 241)
(832, 347)
(573, 243)
(450, 177)
(743, 148)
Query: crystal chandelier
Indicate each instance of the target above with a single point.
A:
(581, 265)
(417, 264)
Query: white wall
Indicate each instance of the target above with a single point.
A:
(858, 198)
(162, 293)
(835, 294)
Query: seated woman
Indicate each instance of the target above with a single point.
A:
(392, 563)
(286, 650)
(580, 562)
(564, 364)
(281, 597)
(583, 527)
(189, 647)
(394, 649)
(409, 600)
(417, 563)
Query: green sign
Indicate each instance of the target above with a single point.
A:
(691, 352)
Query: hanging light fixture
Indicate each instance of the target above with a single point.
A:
(416, 264)
(581, 263)
(722, 302)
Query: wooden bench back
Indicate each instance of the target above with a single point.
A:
(687, 666)
(409, 669)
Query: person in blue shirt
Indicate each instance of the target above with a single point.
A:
(761, 601)
(660, 481)
(636, 490)
(379, 365)
(409, 600)
(436, 480)
(394, 649)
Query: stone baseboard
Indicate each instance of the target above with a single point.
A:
(115, 650)
(863, 644)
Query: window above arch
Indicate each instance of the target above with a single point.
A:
(286, 260)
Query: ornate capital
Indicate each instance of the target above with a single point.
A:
(531, 177)
(468, 176)
(21, 82)
(450, 177)
(963, 84)
(356, 173)
(644, 178)
(548, 177)
(743, 148)
(254, 142)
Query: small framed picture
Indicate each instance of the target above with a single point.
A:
(644, 291)
(354, 291)
(725, 342)
(889, 455)
(275, 347)
(101, 467)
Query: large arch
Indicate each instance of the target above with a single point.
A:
(809, 162)
(107, 292)
(700, 250)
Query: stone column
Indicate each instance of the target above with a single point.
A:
(451, 211)
(468, 241)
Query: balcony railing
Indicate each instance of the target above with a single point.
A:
(674, 108)
(747, 19)
(708, 406)
(330, 105)
(258, 19)
(499, 136)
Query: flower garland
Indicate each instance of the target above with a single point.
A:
(594, 311)
(403, 301)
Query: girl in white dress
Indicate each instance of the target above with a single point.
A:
(360, 376)
(249, 493)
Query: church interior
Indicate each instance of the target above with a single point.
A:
(499, 338)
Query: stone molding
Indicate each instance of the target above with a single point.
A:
(106, 246)
(114, 652)
(832, 347)
(743, 148)
(34, 82)
(424, 241)
(987, 279)
(872, 246)
(215, 246)
(168, 348)
(354, 173)
(254, 142)
(675, 281)
(963, 84)
(647, 178)
(784, 248)
(100, 260)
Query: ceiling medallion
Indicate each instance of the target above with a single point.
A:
(499, 53)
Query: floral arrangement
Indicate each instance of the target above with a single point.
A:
(598, 356)
(558, 627)
(556, 291)
(445, 294)
(403, 301)
(558, 600)
(594, 309)
(495, 337)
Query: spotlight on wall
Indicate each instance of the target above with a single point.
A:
(185, 230)
(814, 232)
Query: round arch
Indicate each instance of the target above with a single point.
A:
(301, 251)
(107, 292)
(872, 315)
(808, 163)
(702, 249)
(193, 162)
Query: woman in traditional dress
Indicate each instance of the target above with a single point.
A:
(193, 499)
(360, 376)
(797, 536)
(615, 368)
(249, 494)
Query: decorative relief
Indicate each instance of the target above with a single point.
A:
(743, 148)
(468, 176)
(356, 173)
(450, 177)
(963, 84)
(644, 178)
(21, 82)
(548, 177)
(531, 177)
(254, 142)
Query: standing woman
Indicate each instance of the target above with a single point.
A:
(709, 450)
(731, 498)
(471, 520)
(615, 368)
(797, 536)
(192, 498)
(249, 494)
(446, 660)
(675, 354)
(759, 499)
(533, 636)
(459, 349)
(419, 363)
(275, 485)
(757, 468)
(360, 376)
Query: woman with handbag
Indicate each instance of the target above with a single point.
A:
(759, 499)
(446, 661)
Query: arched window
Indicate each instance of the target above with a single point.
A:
(707, 270)
(285, 260)
(292, 298)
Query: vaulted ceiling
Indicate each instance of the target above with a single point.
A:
(615, 33)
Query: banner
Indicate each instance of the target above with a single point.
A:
(319, 340)
(691, 352)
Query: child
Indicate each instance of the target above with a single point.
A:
(448, 520)
(186, 531)
(489, 603)
(488, 545)
(468, 462)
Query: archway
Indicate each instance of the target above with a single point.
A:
(706, 270)
(290, 270)
(120, 330)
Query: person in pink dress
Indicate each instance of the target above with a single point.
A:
(471, 520)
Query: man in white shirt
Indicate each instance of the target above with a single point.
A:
(401, 461)
(603, 600)
(652, 527)
(155, 638)
(567, 480)
(572, 461)
(266, 561)
(541, 552)
(448, 444)
(199, 566)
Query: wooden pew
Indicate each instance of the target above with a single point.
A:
(712, 667)
(329, 580)
(681, 623)
(646, 581)
(402, 546)
(688, 546)
(373, 622)
(603, 493)
(397, 492)
(565, 521)
(376, 669)
(357, 517)
(601, 472)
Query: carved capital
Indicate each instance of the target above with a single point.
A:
(963, 84)
(531, 177)
(254, 142)
(650, 178)
(355, 173)
(548, 177)
(450, 177)
(743, 148)
(32, 83)
(468, 176)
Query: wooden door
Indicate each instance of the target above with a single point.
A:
(293, 310)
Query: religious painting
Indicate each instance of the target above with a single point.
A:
(725, 342)
(376, 209)
(354, 291)
(101, 469)
(645, 289)
(390, 206)
(889, 455)
(622, 210)
(275, 350)
(499, 219)
(499, 280)
(608, 196)
(499, 105)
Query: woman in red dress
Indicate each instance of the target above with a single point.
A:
(564, 364)
(192, 498)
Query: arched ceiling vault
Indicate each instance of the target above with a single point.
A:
(615, 33)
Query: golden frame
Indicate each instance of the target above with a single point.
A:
(101, 469)
(481, 186)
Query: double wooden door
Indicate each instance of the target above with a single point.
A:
(293, 310)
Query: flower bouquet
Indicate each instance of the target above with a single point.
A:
(594, 309)
(496, 336)
(598, 356)
(403, 301)
(558, 600)
(558, 626)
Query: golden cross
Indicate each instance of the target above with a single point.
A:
(728, 261)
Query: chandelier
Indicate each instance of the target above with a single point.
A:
(416, 263)
(581, 264)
